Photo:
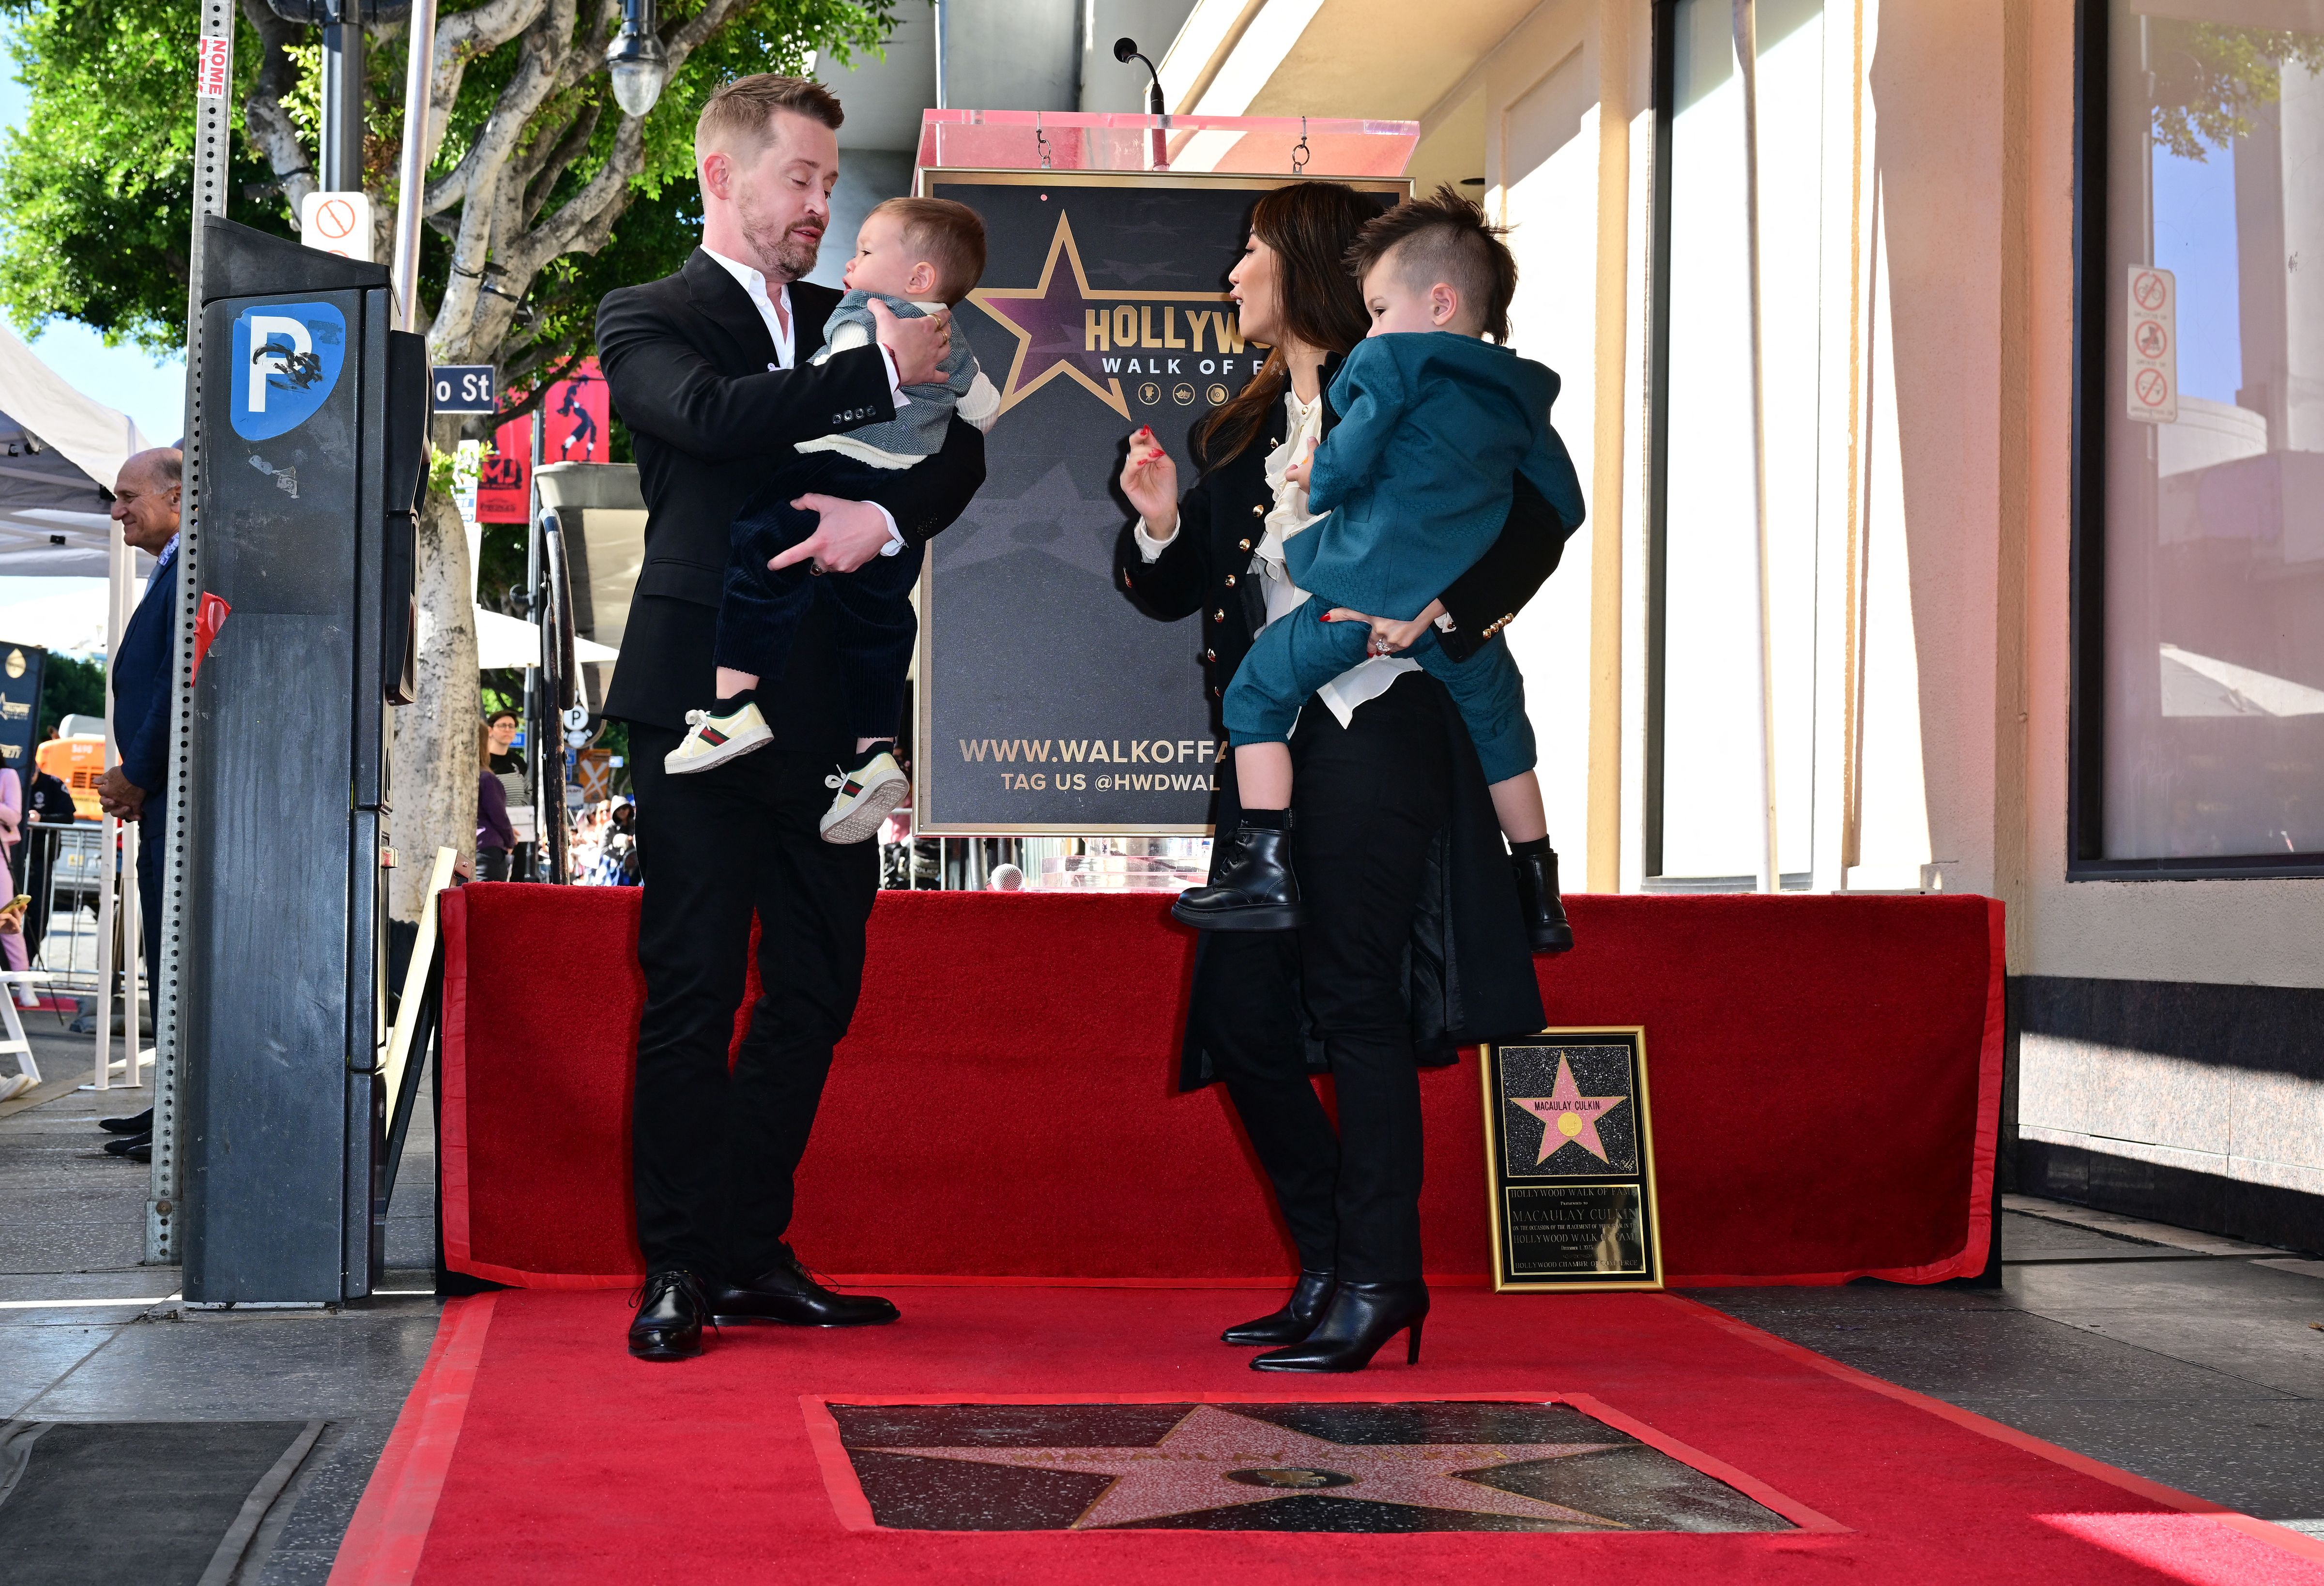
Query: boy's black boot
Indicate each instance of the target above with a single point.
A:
(1546, 929)
(1255, 889)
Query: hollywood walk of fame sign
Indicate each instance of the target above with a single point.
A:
(1046, 703)
(1569, 1161)
(1342, 1466)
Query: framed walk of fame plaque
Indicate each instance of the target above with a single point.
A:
(1569, 1161)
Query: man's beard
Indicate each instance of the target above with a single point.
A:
(791, 252)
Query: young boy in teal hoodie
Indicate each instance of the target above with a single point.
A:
(1412, 486)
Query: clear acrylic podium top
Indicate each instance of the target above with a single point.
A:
(1243, 145)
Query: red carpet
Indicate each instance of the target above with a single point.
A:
(1826, 1084)
(531, 1450)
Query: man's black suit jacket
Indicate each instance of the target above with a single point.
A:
(691, 370)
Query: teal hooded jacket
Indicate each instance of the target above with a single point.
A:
(1416, 476)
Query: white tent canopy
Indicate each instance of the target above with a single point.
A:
(59, 454)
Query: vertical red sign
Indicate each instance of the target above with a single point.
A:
(575, 416)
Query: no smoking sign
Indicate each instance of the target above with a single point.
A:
(2151, 384)
(337, 223)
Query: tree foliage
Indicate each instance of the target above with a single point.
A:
(534, 163)
(2210, 79)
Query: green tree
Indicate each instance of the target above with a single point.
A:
(69, 687)
(542, 195)
(2210, 78)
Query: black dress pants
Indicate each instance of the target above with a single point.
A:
(872, 625)
(714, 1152)
(1368, 801)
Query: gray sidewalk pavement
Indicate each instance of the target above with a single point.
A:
(2195, 1361)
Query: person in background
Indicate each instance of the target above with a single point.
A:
(509, 764)
(496, 836)
(145, 497)
(47, 805)
(621, 845)
(12, 833)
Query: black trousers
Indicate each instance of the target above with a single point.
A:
(714, 1152)
(872, 620)
(1368, 802)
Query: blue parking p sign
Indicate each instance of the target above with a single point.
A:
(465, 388)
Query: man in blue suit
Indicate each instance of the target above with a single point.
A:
(145, 499)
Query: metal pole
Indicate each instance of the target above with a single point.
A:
(121, 576)
(343, 99)
(213, 103)
(936, 20)
(538, 445)
(412, 179)
(1746, 62)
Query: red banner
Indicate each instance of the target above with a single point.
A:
(576, 417)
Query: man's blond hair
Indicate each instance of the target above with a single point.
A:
(739, 119)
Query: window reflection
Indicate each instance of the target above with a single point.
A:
(2214, 534)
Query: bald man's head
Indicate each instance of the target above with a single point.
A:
(145, 496)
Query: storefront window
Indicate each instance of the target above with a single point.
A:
(1709, 671)
(2211, 419)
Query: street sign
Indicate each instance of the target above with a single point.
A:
(465, 388)
(2152, 354)
(337, 223)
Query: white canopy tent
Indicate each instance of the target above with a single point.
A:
(59, 455)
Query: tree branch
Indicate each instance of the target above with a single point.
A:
(542, 177)
(263, 119)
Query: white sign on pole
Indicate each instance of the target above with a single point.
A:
(337, 223)
(467, 469)
(2153, 350)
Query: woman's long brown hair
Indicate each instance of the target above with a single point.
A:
(1310, 224)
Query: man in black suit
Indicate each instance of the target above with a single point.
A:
(145, 503)
(709, 370)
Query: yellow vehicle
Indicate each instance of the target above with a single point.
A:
(78, 763)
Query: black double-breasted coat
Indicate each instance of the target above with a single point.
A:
(1471, 974)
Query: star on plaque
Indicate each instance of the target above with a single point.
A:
(1568, 1115)
(1214, 1458)
(1049, 321)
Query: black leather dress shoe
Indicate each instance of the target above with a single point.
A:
(139, 1123)
(668, 1322)
(128, 1143)
(1544, 912)
(1361, 1317)
(1255, 889)
(786, 1296)
(1297, 1318)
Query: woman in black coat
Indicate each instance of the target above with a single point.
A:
(1414, 943)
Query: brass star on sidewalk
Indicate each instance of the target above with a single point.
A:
(1215, 1459)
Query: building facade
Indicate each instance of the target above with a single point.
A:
(2040, 283)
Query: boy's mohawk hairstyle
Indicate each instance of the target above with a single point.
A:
(1445, 238)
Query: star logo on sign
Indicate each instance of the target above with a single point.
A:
(1215, 1459)
(1050, 324)
(1568, 1115)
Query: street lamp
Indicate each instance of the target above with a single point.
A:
(636, 61)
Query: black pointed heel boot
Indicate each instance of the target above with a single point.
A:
(1544, 912)
(1361, 1317)
(1255, 889)
(1297, 1318)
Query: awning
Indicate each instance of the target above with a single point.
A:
(59, 454)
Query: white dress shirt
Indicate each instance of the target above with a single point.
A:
(782, 328)
(1369, 678)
